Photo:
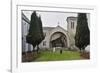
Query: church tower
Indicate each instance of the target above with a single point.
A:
(71, 25)
(71, 28)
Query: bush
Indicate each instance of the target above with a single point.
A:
(29, 56)
(85, 55)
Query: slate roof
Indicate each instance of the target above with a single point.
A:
(25, 18)
(51, 28)
(48, 28)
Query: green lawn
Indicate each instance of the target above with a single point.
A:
(56, 56)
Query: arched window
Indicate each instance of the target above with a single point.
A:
(72, 25)
(44, 33)
(44, 43)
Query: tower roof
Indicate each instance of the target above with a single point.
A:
(71, 17)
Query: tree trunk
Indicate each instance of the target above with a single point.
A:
(33, 48)
(83, 48)
(38, 49)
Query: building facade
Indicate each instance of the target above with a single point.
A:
(25, 27)
(55, 37)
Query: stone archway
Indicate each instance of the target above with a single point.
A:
(58, 39)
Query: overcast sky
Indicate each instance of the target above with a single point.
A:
(52, 19)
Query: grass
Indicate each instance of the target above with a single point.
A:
(56, 56)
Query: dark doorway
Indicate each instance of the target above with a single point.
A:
(58, 39)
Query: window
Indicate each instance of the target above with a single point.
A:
(44, 43)
(44, 33)
(72, 25)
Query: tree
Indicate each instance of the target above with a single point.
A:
(35, 31)
(82, 36)
(41, 35)
(41, 30)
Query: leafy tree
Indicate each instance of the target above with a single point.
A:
(82, 37)
(35, 31)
